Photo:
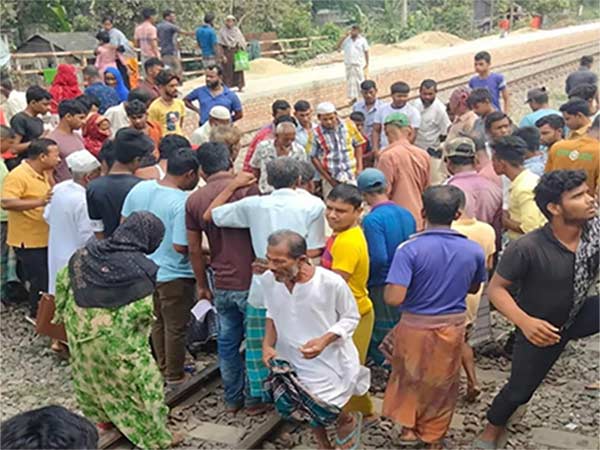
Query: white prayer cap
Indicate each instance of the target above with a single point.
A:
(82, 161)
(220, 112)
(230, 17)
(325, 108)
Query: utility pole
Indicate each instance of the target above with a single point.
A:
(404, 13)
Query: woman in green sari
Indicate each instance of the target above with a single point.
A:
(104, 298)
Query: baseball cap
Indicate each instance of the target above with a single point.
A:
(325, 108)
(461, 146)
(397, 118)
(219, 112)
(537, 95)
(82, 161)
(370, 179)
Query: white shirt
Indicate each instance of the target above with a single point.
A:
(354, 51)
(201, 134)
(262, 215)
(15, 103)
(414, 118)
(70, 226)
(117, 117)
(434, 122)
(323, 304)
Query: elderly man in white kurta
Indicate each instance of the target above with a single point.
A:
(66, 214)
(311, 316)
(356, 60)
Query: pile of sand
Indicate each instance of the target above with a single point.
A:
(423, 41)
(269, 67)
(430, 39)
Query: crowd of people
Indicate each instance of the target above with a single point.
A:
(340, 244)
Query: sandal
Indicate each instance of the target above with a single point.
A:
(258, 409)
(478, 444)
(355, 434)
(408, 442)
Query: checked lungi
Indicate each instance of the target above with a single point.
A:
(293, 401)
(256, 371)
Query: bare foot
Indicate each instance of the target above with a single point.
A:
(323, 443)
(105, 426)
(370, 420)
(408, 437)
(472, 393)
(176, 438)
(58, 347)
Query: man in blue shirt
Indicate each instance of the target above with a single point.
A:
(212, 94)
(385, 228)
(428, 280)
(538, 102)
(174, 294)
(95, 87)
(207, 40)
(492, 81)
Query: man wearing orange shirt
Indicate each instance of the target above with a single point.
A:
(580, 151)
(137, 114)
(405, 166)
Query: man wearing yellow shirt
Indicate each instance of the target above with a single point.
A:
(167, 109)
(25, 192)
(581, 151)
(523, 214)
(346, 253)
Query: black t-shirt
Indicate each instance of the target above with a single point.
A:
(105, 198)
(544, 270)
(28, 127)
(581, 76)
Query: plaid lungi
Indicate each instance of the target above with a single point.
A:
(255, 332)
(386, 318)
(293, 401)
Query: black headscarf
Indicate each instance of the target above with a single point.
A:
(114, 272)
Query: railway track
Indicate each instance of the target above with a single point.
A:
(198, 387)
(520, 75)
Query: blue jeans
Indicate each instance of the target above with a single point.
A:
(231, 309)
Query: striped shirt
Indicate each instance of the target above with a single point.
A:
(335, 149)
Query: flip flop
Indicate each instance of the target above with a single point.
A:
(356, 433)
(409, 442)
(478, 444)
